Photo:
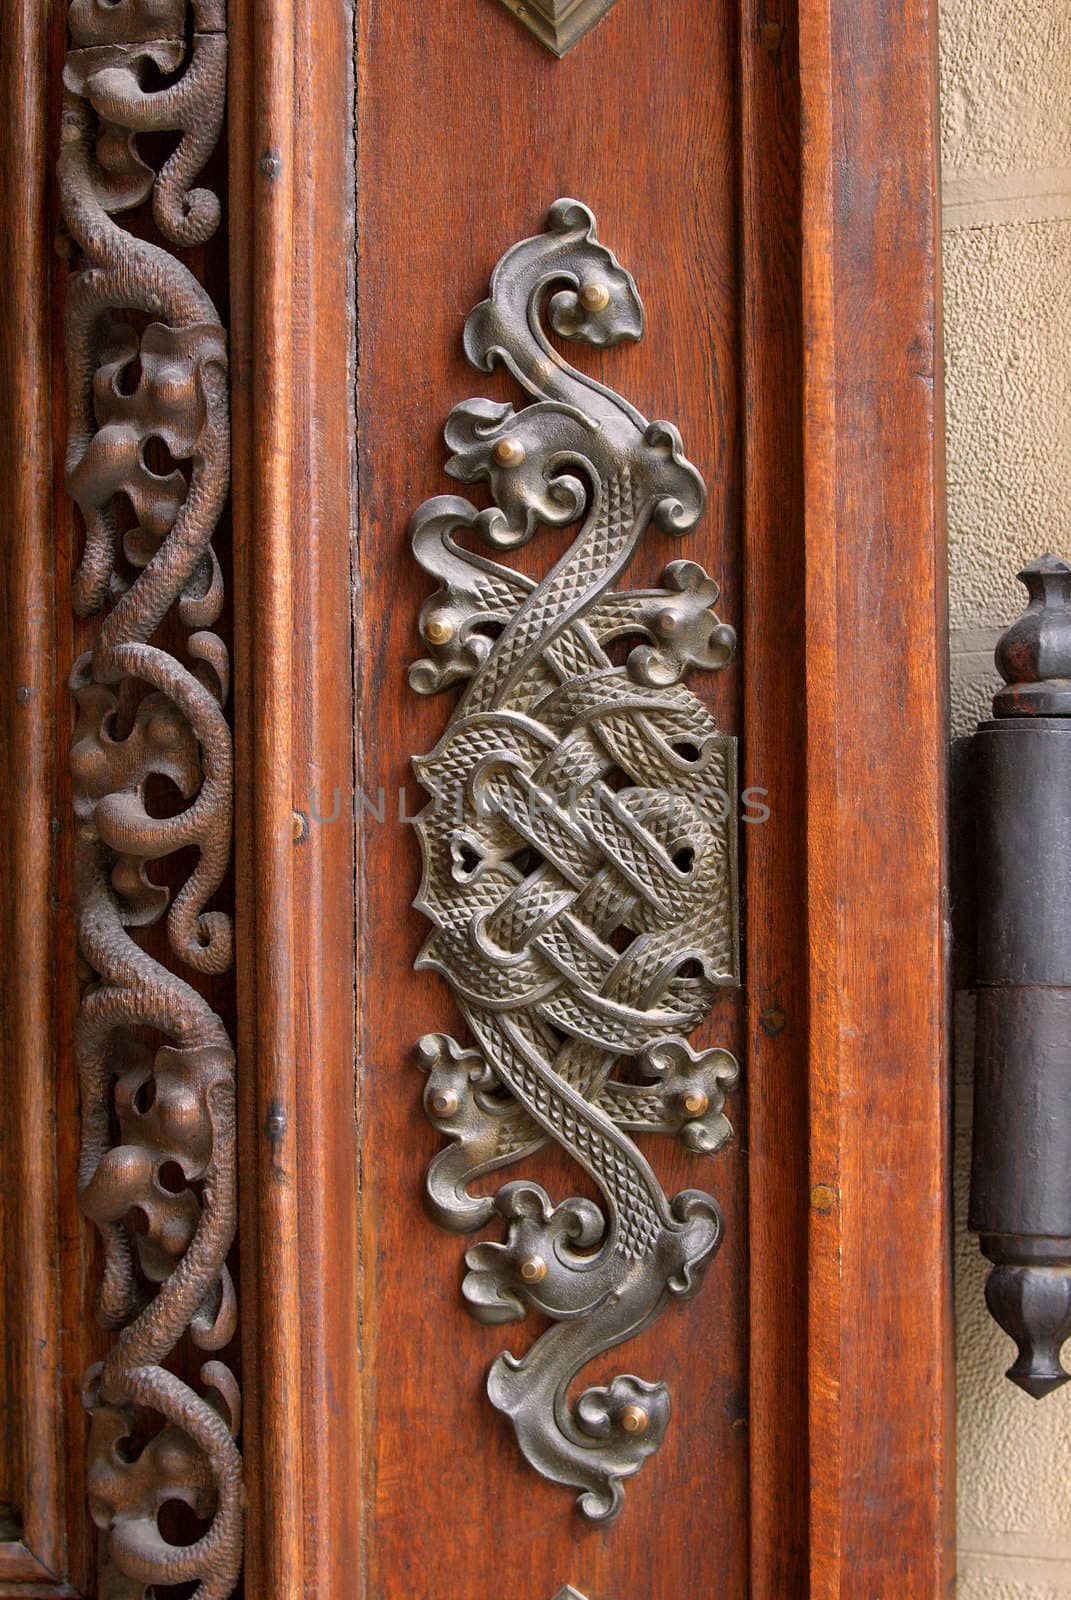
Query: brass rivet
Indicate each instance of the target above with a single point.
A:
(438, 630)
(445, 1103)
(634, 1419)
(299, 826)
(667, 622)
(696, 1102)
(508, 452)
(823, 1198)
(533, 1269)
(594, 297)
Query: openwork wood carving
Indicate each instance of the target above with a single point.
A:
(148, 464)
(579, 859)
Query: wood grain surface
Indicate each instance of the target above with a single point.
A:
(791, 288)
(292, 374)
(880, 1324)
(468, 130)
(42, 1276)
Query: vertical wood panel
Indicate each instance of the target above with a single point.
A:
(265, 551)
(34, 1445)
(880, 1323)
(291, 240)
(774, 760)
(468, 131)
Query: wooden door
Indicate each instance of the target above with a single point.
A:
(763, 184)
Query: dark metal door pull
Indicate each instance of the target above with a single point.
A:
(1020, 1200)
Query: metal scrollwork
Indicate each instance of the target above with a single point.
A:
(148, 464)
(579, 859)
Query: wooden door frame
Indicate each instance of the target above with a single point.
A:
(881, 1423)
(843, 519)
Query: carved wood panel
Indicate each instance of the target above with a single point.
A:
(361, 1376)
(148, 462)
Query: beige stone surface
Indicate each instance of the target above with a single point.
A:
(1005, 70)
(1008, 398)
(974, 678)
(975, 1583)
(1005, 84)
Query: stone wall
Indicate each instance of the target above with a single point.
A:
(1006, 136)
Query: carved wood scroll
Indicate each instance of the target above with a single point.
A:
(579, 859)
(148, 464)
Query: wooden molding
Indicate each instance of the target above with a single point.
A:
(774, 761)
(293, 352)
(881, 1430)
(29, 1198)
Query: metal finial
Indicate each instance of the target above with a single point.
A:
(1034, 654)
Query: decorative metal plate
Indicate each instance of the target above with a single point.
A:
(579, 858)
(559, 23)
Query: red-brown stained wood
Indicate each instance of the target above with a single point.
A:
(774, 760)
(816, 425)
(469, 130)
(880, 1323)
(35, 1561)
(292, 343)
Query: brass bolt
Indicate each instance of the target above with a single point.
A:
(446, 1102)
(696, 1102)
(299, 826)
(634, 1419)
(823, 1197)
(508, 452)
(533, 1269)
(667, 621)
(438, 630)
(594, 297)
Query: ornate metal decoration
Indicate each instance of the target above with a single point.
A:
(148, 464)
(569, 1593)
(579, 859)
(559, 23)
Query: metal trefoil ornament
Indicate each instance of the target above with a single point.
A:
(579, 859)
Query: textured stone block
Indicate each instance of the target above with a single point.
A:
(1008, 392)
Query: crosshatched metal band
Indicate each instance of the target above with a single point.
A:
(579, 858)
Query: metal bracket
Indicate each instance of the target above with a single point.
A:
(579, 858)
(558, 23)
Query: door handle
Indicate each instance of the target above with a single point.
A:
(1020, 1202)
